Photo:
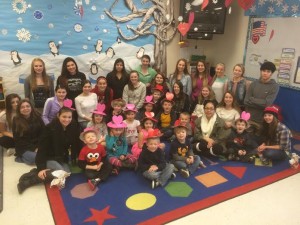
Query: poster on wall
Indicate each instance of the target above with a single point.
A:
(271, 39)
(54, 30)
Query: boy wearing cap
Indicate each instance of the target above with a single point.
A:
(181, 152)
(276, 137)
(261, 93)
(240, 144)
(92, 158)
(152, 162)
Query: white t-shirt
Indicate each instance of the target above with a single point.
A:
(228, 115)
(85, 105)
(131, 131)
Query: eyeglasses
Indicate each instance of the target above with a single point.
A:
(209, 109)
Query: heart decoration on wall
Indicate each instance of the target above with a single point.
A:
(255, 39)
(184, 27)
(246, 4)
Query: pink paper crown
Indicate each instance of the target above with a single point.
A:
(245, 116)
(68, 103)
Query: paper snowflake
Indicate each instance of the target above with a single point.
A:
(253, 9)
(20, 6)
(295, 8)
(279, 3)
(271, 9)
(23, 35)
(285, 8)
(261, 2)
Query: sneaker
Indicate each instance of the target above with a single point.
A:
(264, 161)
(10, 151)
(202, 165)
(185, 173)
(231, 157)
(93, 183)
(154, 184)
(173, 176)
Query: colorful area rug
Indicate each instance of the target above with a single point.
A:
(128, 199)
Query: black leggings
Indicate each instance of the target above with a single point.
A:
(7, 142)
(215, 150)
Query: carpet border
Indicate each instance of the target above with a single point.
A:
(59, 210)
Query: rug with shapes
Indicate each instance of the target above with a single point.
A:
(128, 198)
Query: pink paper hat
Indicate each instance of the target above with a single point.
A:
(158, 87)
(130, 107)
(117, 122)
(154, 133)
(148, 100)
(149, 116)
(169, 98)
(68, 103)
(89, 129)
(100, 110)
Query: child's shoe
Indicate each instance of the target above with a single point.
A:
(294, 161)
(185, 173)
(173, 176)
(154, 184)
(10, 151)
(201, 164)
(93, 183)
(231, 157)
(264, 161)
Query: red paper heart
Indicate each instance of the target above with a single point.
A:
(246, 4)
(227, 3)
(255, 38)
(204, 4)
(183, 28)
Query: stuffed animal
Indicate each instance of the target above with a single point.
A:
(294, 161)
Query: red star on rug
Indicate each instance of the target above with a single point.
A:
(99, 216)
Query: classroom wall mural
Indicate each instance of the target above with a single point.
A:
(94, 33)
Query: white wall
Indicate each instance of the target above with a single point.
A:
(227, 48)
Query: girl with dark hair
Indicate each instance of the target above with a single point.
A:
(6, 118)
(104, 93)
(159, 79)
(60, 135)
(118, 78)
(199, 79)
(38, 86)
(135, 91)
(71, 78)
(181, 74)
(276, 137)
(209, 135)
(27, 128)
(146, 73)
(181, 100)
(53, 104)
(85, 103)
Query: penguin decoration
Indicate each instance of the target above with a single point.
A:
(98, 46)
(110, 52)
(94, 69)
(14, 56)
(140, 53)
(118, 40)
(54, 49)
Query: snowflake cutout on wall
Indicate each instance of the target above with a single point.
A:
(271, 9)
(20, 6)
(279, 3)
(285, 8)
(23, 35)
(295, 8)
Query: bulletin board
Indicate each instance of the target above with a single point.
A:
(275, 40)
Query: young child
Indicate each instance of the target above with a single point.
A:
(133, 125)
(92, 158)
(148, 123)
(166, 118)
(147, 107)
(241, 144)
(181, 152)
(117, 108)
(117, 147)
(157, 93)
(152, 161)
(98, 122)
(185, 120)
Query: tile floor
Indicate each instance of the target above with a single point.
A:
(276, 204)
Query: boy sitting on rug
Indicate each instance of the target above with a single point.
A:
(241, 144)
(92, 158)
(152, 161)
(181, 152)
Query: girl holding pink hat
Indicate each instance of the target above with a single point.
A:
(117, 147)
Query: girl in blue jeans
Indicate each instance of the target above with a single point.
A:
(276, 137)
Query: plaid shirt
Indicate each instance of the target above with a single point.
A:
(283, 137)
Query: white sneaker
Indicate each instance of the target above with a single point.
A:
(61, 178)
(185, 173)
(10, 151)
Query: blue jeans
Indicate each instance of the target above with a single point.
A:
(54, 165)
(191, 167)
(28, 157)
(275, 155)
(162, 176)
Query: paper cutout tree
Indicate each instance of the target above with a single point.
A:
(159, 16)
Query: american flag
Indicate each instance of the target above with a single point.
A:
(259, 28)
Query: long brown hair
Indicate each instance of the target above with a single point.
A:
(197, 74)
(185, 71)
(235, 105)
(211, 95)
(32, 79)
(269, 131)
(21, 122)
(64, 71)
(9, 109)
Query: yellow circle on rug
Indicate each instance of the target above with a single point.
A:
(141, 201)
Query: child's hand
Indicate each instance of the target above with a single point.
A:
(122, 157)
(98, 168)
(241, 152)
(191, 159)
(262, 147)
(153, 168)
